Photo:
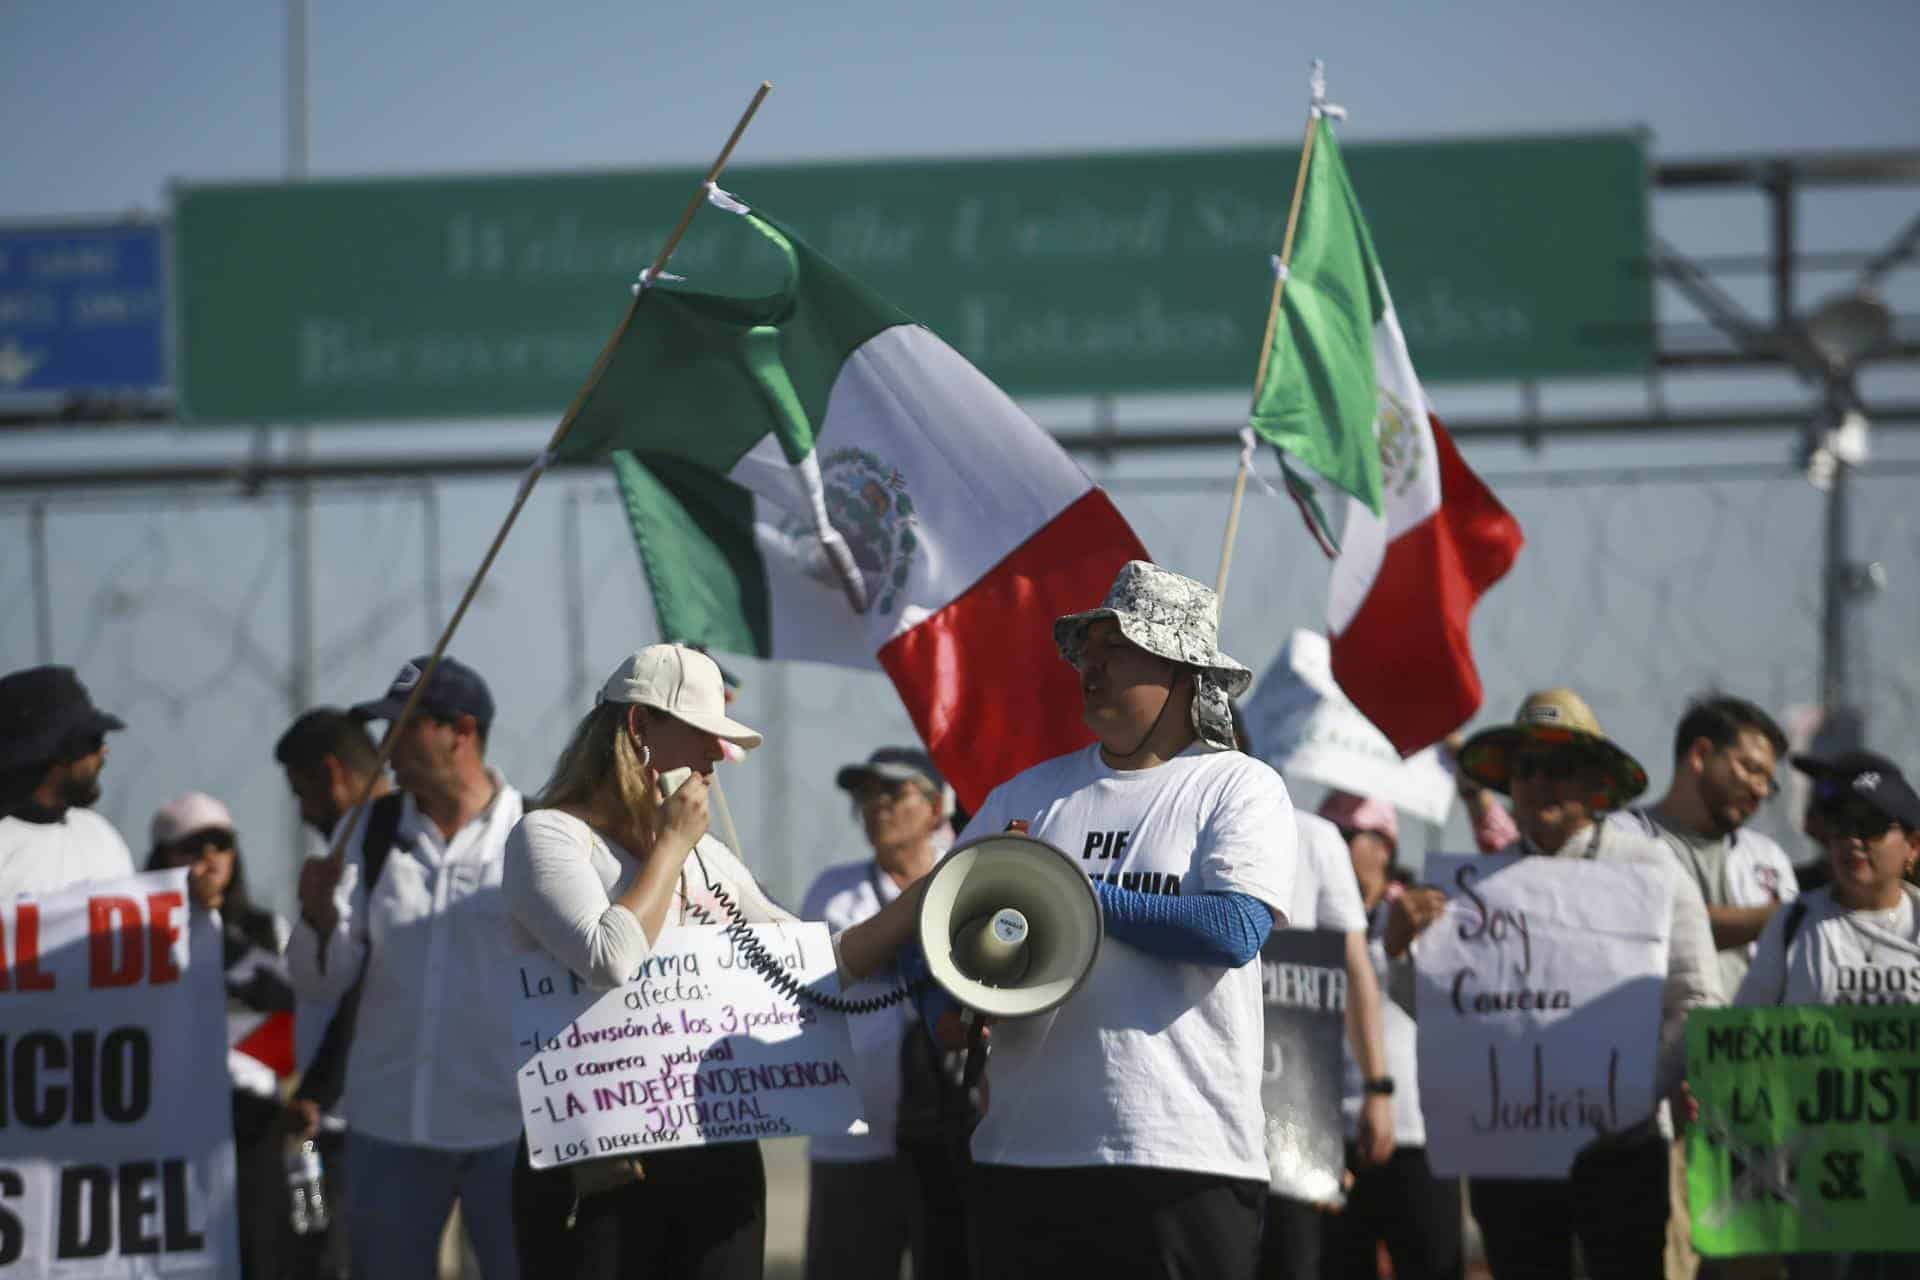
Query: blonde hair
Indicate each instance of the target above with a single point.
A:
(600, 768)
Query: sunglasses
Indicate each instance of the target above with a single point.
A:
(1555, 766)
(1856, 820)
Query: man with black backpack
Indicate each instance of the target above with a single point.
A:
(409, 926)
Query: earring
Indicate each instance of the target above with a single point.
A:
(646, 752)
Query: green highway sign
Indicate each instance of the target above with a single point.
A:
(480, 297)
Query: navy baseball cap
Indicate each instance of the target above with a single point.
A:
(1864, 775)
(891, 764)
(455, 690)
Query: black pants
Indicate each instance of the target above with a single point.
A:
(1402, 1203)
(1114, 1222)
(699, 1214)
(858, 1220)
(1614, 1200)
(1290, 1240)
(939, 1172)
(262, 1204)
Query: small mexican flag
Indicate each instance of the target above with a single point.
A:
(812, 475)
(1424, 538)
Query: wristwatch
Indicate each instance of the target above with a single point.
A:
(1382, 1085)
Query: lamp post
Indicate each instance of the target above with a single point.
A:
(1842, 332)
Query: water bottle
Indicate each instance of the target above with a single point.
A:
(305, 1190)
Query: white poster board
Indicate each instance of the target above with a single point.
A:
(698, 1048)
(1303, 724)
(116, 1130)
(1537, 995)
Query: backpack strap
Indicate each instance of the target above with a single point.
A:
(1796, 916)
(325, 1078)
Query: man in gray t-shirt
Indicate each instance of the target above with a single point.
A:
(1725, 750)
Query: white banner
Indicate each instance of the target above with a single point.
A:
(1538, 1001)
(1303, 725)
(116, 1130)
(698, 1048)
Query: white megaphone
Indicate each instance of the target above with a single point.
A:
(1010, 927)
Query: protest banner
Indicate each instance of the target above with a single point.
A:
(1808, 1139)
(1537, 994)
(1303, 982)
(696, 1048)
(116, 1134)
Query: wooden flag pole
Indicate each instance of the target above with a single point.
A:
(337, 853)
(1266, 342)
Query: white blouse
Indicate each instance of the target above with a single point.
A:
(561, 880)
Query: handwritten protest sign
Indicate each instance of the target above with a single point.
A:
(116, 1135)
(1303, 979)
(1809, 1131)
(697, 1048)
(1538, 999)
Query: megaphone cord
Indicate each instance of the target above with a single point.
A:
(768, 966)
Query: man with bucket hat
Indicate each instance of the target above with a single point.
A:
(432, 1110)
(1564, 774)
(1125, 1134)
(53, 744)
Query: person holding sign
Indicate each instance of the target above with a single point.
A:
(609, 854)
(1563, 774)
(1856, 940)
(196, 831)
(433, 1115)
(53, 744)
(1125, 1134)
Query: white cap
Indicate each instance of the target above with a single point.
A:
(682, 682)
(185, 814)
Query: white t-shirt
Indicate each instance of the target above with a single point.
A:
(1750, 870)
(45, 857)
(1326, 893)
(1838, 955)
(1401, 1034)
(843, 895)
(1152, 1063)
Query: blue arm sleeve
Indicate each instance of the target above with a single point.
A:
(1207, 928)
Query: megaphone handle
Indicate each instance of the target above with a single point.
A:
(977, 1049)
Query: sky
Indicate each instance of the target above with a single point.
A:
(173, 608)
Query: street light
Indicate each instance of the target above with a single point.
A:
(1842, 332)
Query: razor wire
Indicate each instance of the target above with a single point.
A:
(1641, 589)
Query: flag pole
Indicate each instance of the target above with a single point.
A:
(337, 853)
(1318, 89)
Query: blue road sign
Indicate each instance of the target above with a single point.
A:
(81, 309)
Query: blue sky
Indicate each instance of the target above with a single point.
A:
(105, 105)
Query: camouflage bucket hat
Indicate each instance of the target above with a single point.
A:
(1175, 618)
(1552, 717)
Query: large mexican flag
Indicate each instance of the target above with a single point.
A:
(1424, 538)
(812, 475)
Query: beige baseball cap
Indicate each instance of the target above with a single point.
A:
(684, 683)
(185, 814)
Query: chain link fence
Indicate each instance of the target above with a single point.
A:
(1641, 588)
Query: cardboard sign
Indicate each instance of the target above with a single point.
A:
(1303, 981)
(1538, 999)
(697, 1048)
(116, 1131)
(1809, 1133)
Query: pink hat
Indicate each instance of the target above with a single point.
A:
(185, 814)
(1350, 813)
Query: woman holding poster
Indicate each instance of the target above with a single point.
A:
(1855, 940)
(1563, 773)
(611, 852)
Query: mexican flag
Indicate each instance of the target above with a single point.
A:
(1424, 538)
(811, 475)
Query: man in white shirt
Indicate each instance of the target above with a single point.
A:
(1125, 1134)
(432, 1110)
(53, 744)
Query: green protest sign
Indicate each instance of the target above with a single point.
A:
(1808, 1139)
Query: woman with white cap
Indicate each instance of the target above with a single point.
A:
(608, 855)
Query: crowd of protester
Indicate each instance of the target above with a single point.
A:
(1116, 1158)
